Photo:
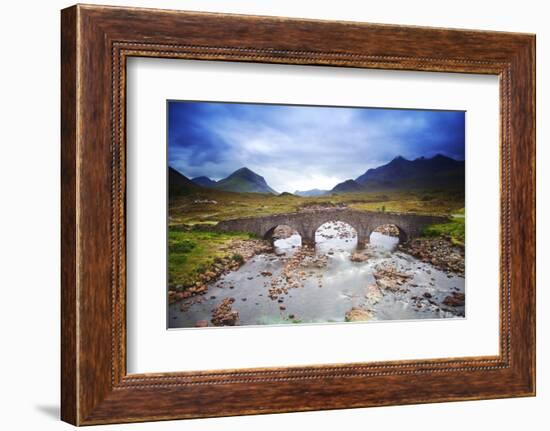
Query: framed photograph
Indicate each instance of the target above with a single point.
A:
(264, 215)
(310, 245)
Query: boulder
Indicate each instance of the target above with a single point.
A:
(456, 299)
(358, 315)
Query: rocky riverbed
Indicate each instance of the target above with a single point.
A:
(333, 282)
(441, 253)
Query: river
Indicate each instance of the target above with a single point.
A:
(327, 284)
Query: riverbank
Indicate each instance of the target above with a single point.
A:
(197, 258)
(442, 252)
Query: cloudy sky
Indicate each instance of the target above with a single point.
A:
(303, 147)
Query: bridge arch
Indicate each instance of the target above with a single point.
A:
(270, 234)
(336, 229)
(390, 229)
(357, 227)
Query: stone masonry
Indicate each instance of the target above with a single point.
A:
(307, 222)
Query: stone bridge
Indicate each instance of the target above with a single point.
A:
(307, 222)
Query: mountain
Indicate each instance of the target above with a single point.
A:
(311, 193)
(204, 182)
(402, 169)
(244, 180)
(421, 173)
(348, 186)
(179, 184)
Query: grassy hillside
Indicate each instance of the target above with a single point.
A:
(211, 206)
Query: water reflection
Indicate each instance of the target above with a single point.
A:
(383, 242)
(288, 245)
(333, 237)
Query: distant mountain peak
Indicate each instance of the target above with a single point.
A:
(204, 181)
(244, 170)
(310, 193)
(244, 180)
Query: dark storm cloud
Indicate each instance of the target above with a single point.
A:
(299, 147)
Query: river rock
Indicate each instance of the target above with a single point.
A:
(373, 294)
(358, 315)
(224, 315)
(456, 299)
(387, 277)
(201, 324)
(202, 289)
(359, 257)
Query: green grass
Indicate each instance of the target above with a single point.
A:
(418, 202)
(190, 253)
(453, 229)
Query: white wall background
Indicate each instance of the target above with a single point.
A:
(29, 215)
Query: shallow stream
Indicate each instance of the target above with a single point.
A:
(329, 284)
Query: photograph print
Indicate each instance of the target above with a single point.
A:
(295, 214)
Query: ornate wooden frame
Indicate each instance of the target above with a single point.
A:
(95, 42)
